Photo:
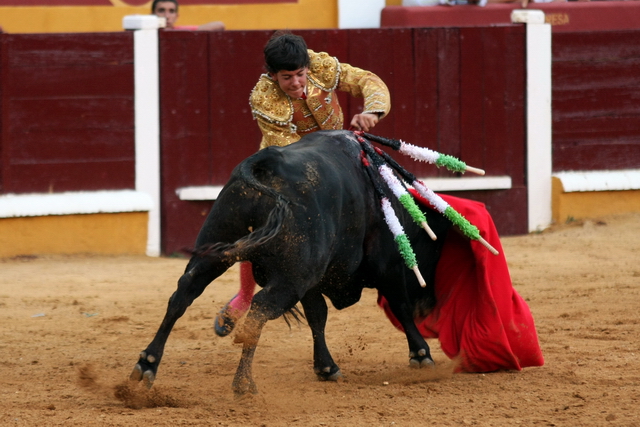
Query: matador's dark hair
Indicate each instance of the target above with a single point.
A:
(285, 51)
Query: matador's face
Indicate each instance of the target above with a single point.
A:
(292, 82)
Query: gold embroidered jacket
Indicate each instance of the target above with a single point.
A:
(284, 120)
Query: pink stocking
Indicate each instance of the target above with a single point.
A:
(241, 302)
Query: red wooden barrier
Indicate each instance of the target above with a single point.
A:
(206, 124)
(596, 100)
(566, 16)
(67, 112)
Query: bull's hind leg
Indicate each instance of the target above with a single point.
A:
(419, 351)
(243, 380)
(315, 311)
(268, 304)
(199, 273)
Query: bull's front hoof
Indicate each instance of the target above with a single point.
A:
(421, 360)
(329, 373)
(424, 363)
(145, 370)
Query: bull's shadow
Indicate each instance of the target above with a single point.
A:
(308, 218)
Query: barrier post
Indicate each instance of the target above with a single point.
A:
(147, 116)
(538, 116)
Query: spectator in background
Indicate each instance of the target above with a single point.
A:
(168, 9)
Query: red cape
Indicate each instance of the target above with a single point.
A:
(479, 316)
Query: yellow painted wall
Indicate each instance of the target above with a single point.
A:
(590, 204)
(108, 234)
(62, 19)
(304, 14)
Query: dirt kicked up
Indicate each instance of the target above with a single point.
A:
(71, 329)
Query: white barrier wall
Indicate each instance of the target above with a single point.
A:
(538, 106)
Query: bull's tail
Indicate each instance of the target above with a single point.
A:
(242, 248)
(256, 166)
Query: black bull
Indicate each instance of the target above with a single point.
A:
(310, 222)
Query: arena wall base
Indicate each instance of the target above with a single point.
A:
(102, 233)
(100, 222)
(585, 195)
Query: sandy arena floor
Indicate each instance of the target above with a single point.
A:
(71, 329)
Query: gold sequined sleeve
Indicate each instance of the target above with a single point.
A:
(274, 134)
(367, 85)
